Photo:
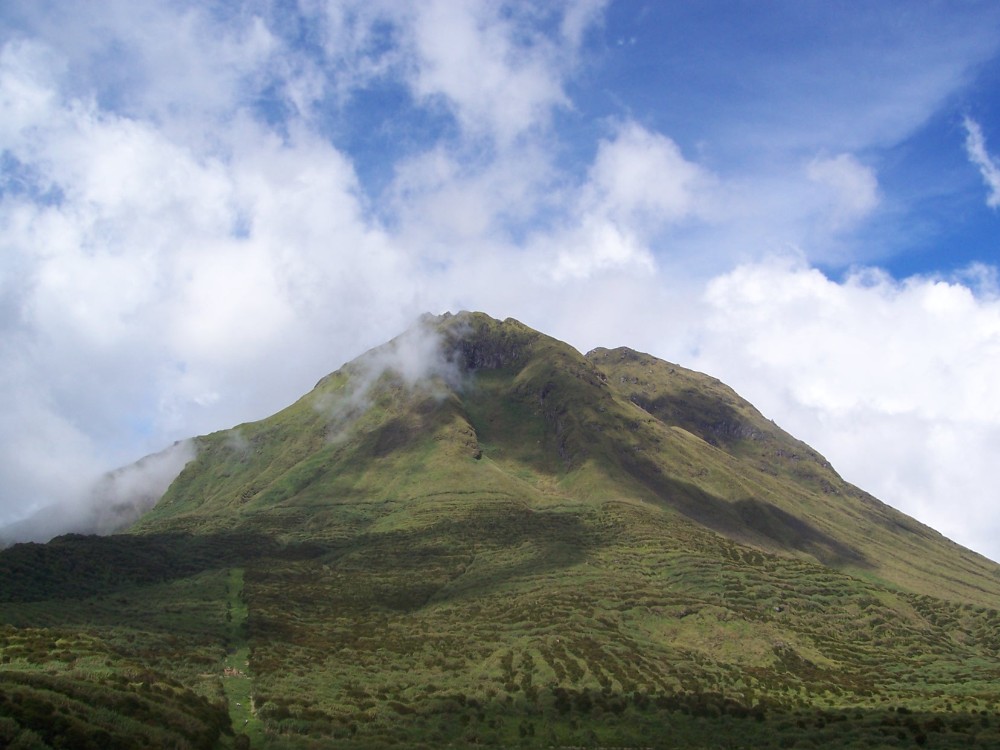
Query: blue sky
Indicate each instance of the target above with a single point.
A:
(205, 207)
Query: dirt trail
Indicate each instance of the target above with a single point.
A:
(236, 667)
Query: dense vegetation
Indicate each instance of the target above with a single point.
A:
(531, 548)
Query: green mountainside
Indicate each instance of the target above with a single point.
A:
(475, 535)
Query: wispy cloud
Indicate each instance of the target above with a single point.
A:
(109, 503)
(975, 147)
(853, 187)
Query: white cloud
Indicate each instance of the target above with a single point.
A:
(638, 185)
(105, 504)
(452, 206)
(163, 289)
(492, 69)
(45, 457)
(417, 357)
(596, 247)
(975, 148)
(357, 38)
(580, 17)
(642, 176)
(27, 70)
(442, 199)
(178, 64)
(486, 64)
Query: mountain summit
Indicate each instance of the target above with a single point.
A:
(476, 535)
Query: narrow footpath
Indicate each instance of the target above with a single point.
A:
(235, 670)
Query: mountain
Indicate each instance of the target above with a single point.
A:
(475, 535)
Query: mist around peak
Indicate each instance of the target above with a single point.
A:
(422, 358)
(111, 503)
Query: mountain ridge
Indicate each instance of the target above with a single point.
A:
(475, 535)
(602, 421)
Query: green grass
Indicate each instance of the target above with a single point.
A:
(487, 637)
(72, 688)
(236, 678)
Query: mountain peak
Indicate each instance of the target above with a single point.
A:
(466, 403)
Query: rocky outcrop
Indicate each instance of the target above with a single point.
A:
(480, 343)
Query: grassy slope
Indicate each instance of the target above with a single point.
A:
(534, 559)
(127, 659)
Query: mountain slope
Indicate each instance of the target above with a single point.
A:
(782, 477)
(476, 535)
(510, 413)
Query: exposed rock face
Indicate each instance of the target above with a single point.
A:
(481, 344)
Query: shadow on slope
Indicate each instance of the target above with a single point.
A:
(748, 520)
(75, 566)
(404, 570)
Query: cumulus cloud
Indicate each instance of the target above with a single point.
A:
(443, 199)
(638, 184)
(642, 175)
(975, 149)
(491, 68)
(142, 273)
(489, 65)
(595, 247)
